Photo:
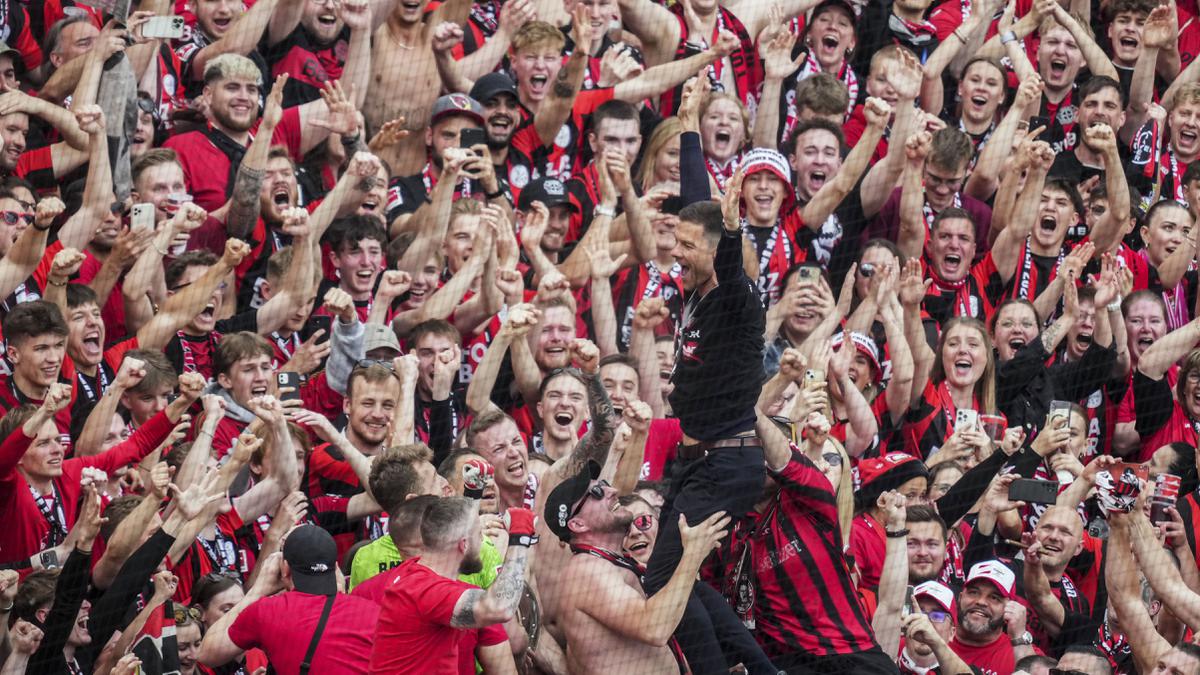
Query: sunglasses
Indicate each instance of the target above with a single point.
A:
(595, 492)
(182, 613)
(13, 217)
(146, 105)
(644, 522)
(367, 363)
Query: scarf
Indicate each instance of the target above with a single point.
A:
(747, 71)
(232, 150)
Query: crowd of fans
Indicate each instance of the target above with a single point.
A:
(599, 336)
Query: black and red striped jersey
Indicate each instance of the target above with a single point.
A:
(975, 296)
(930, 422)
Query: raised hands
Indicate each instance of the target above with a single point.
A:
(342, 118)
(66, 263)
(585, 355)
(698, 541)
(273, 111)
(521, 319)
(340, 304)
(650, 313)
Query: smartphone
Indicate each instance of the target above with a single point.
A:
(469, 138)
(1140, 470)
(966, 420)
(1033, 491)
(1058, 409)
(908, 607)
(292, 380)
(167, 27)
(814, 375)
(809, 273)
(1039, 122)
(1166, 490)
(141, 217)
(314, 324)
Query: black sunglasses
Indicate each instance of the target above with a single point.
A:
(595, 492)
(367, 363)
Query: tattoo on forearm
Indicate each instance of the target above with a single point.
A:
(465, 617)
(604, 422)
(562, 83)
(244, 206)
(1050, 336)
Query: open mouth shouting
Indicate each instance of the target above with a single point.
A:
(500, 124)
(538, 84)
(1058, 69)
(563, 418)
(1048, 224)
(951, 264)
(92, 349)
(328, 20)
(962, 367)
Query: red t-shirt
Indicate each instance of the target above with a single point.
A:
(869, 548)
(283, 626)
(661, 443)
(994, 658)
(206, 168)
(414, 633)
(373, 589)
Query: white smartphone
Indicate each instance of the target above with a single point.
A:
(966, 420)
(164, 27)
(141, 217)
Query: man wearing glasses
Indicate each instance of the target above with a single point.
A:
(925, 649)
(615, 624)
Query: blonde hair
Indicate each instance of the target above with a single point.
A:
(1188, 93)
(227, 66)
(727, 96)
(985, 388)
(537, 34)
(666, 130)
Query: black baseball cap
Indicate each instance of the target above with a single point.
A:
(562, 500)
(311, 554)
(491, 85)
(549, 191)
(843, 5)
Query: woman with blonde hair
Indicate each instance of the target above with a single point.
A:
(660, 155)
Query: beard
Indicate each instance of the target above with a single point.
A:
(471, 563)
(974, 627)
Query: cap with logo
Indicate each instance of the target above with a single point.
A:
(562, 500)
(765, 159)
(880, 474)
(995, 572)
(865, 346)
(311, 555)
(456, 104)
(376, 336)
(492, 85)
(936, 591)
(549, 191)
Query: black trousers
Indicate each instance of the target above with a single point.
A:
(871, 662)
(711, 635)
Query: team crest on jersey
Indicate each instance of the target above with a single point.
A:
(1067, 115)
(518, 176)
(1095, 399)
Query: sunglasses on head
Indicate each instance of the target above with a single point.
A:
(182, 613)
(595, 492)
(367, 363)
(13, 217)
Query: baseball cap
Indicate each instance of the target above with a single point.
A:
(5, 49)
(456, 104)
(865, 346)
(549, 191)
(880, 474)
(491, 85)
(843, 5)
(995, 572)
(562, 500)
(311, 554)
(376, 336)
(936, 591)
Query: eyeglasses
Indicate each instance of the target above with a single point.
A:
(183, 613)
(938, 616)
(13, 217)
(1193, 377)
(644, 522)
(595, 492)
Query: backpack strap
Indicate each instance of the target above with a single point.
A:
(316, 638)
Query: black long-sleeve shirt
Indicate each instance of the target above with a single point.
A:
(69, 592)
(1025, 386)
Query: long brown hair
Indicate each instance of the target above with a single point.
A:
(985, 388)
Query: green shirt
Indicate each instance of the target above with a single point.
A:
(382, 555)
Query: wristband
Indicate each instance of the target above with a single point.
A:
(494, 195)
(6, 610)
(958, 35)
(351, 141)
(1007, 37)
(521, 526)
(40, 229)
(1114, 306)
(897, 534)
(606, 211)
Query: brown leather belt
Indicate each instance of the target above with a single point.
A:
(704, 447)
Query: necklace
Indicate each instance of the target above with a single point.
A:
(392, 34)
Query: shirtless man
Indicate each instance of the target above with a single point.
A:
(612, 626)
(402, 60)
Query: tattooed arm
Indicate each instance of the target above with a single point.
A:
(594, 445)
(477, 608)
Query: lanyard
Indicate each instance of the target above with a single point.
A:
(101, 378)
(1023, 288)
(286, 345)
(622, 561)
(189, 357)
(55, 518)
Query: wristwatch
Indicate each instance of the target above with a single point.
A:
(607, 211)
(1024, 640)
(1007, 37)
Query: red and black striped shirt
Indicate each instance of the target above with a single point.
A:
(805, 598)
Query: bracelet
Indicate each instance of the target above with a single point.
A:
(494, 195)
(1007, 37)
(959, 35)
(40, 229)
(897, 534)
(606, 211)
(6, 610)
(1114, 306)
(53, 283)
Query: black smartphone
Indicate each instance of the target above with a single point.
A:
(908, 607)
(469, 138)
(314, 324)
(290, 381)
(1033, 491)
(1039, 121)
